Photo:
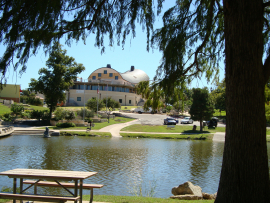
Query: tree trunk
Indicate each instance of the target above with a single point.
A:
(245, 174)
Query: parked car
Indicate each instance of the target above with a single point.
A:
(213, 122)
(141, 110)
(186, 120)
(169, 121)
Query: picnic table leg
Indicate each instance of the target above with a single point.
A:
(91, 195)
(21, 187)
(81, 190)
(76, 189)
(14, 188)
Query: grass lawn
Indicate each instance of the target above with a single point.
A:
(82, 133)
(177, 129)
(97, 125)
(217, 113)
(132, 199)
(4, 109)
(207, 136)
(138, 199)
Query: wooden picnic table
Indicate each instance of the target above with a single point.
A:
(55, 175)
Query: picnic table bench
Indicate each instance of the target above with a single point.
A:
(45, 198)
(67, 185)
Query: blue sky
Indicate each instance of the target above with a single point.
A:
(133, 54)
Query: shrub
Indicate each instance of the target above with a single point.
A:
(26, 114)
(65, 125)
(69, 115)
(7, 117)
(59, 114)
(88, 113)
(16, 109)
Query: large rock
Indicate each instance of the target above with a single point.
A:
(208, 196)
(187, 189)
(186, 197)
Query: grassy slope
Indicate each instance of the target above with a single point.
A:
(4, 109)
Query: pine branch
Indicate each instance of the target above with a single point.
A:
(208, 29)
(266, 4)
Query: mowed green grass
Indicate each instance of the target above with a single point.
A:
(176, 129)
(139, 199)
(4, 109)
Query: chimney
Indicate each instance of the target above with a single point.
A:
(108, 65)
(132, 68)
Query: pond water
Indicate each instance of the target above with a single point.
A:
(125, 166)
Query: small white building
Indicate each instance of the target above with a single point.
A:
(107, 82)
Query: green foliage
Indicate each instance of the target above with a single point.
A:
(219, 96)
(69, 115)
(87, 113)
(59, 114)
(92, 104)
(26, 26)
(25, 115)
(16, 109)
(65, 125)
(59, 76)
(202, 107)
(40, 114)
(111, 103)
(152, 93)
(34, 101)
(7, 117)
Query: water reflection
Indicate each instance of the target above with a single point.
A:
(124, 165)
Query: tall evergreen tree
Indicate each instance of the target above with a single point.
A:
(202, 107)
(194, 38)
(58, 77)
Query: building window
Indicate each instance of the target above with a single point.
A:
(129, 101)
(93, 77)
(94, 87)
(99, 75)
(105, 72)
(120, 101)
(116, 77)
(79, 99)
(110, 75)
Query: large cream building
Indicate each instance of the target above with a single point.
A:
(107, 82)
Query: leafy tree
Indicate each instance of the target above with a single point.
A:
(202, 107)
(195, 36)
(92, 104)
(219, 96)
(152, 93)
(87, 113)
(17, 109)
(111, 103)
(57, 78)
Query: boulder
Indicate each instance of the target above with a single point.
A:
(187, 188)
(186, 197)
(208, 196)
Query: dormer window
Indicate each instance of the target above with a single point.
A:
(99, 75)
(116, 77)
(105, 72)
(110, 75)
(93, 77)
